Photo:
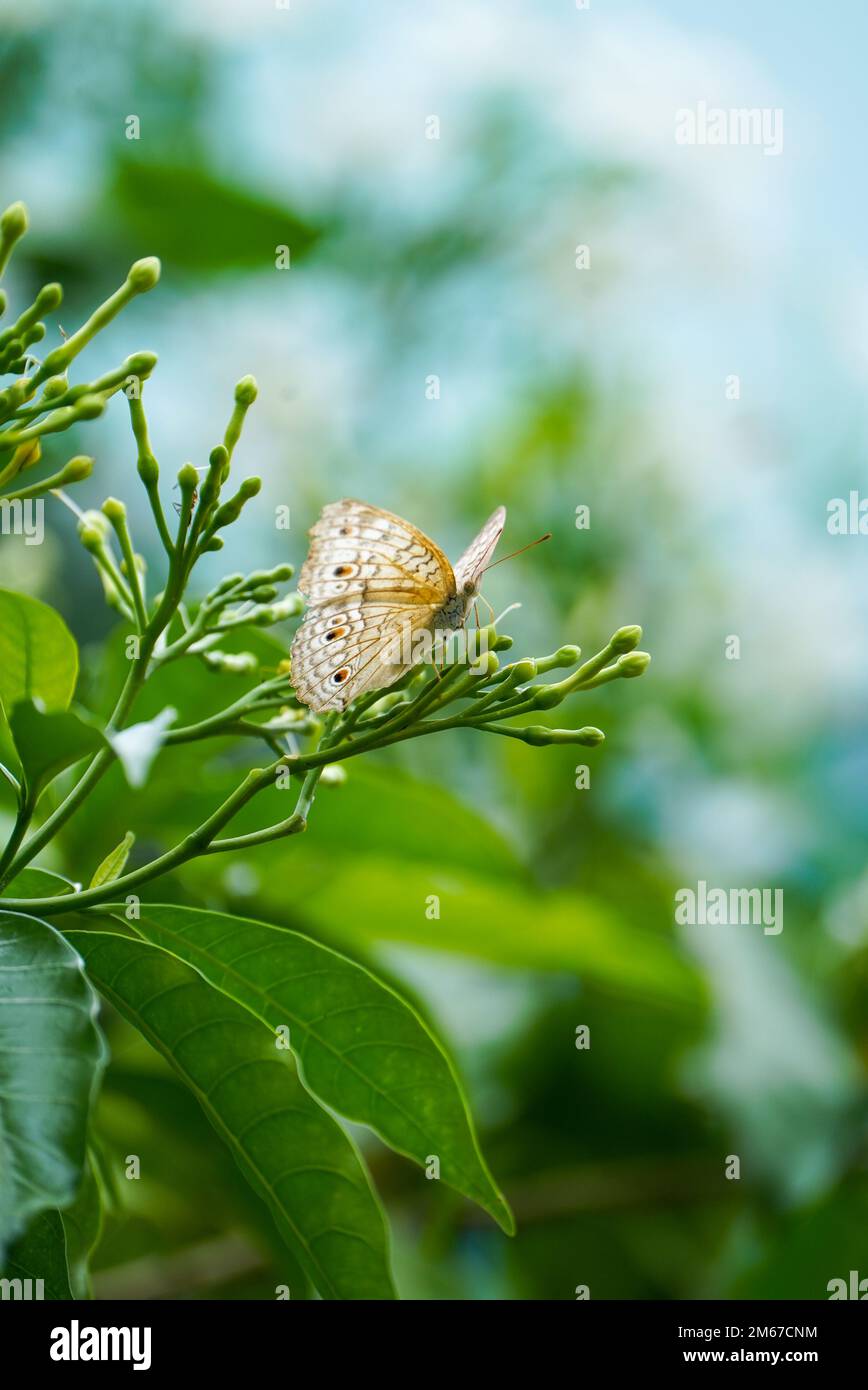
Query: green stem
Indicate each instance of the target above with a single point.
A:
(19, 830)
(193, 845)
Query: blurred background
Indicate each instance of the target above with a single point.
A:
(434, 349)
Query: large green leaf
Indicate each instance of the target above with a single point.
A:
(362, 1049)
(48, 742)
(82, 1226)
(165, 206)
(39, 883)
(291, 1150)
(40, 1254)
(51, 1055)
(479, 916)
(38, 655)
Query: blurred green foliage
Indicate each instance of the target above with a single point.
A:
(556, 903)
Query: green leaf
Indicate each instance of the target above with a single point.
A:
(481, 917)
(40, 1254)
(164, 206)
(292, 1152)
(82, 1227)
(40, 883)
(49, 742)
(10, 763)
(362, 1050)
(51, 1057)
(114, 863)
(38, 655)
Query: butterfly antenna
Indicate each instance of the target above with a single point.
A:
(530, 545)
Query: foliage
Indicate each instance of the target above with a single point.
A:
(273, 1032)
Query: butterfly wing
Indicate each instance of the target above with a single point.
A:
(469, 567)
(372, 580)
(346, 647)
(359, 551)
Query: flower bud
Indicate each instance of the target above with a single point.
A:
(13, 223)
(76, 470)
(234, 663)
(89, 407)
(115, 510)
(626, 638)
(188, 478)
(140, 364)
(143, 275)
(288, 607)
(93, 528)
(634, 664)
(48, 299)
(148, 470)
(539, 735)
(54, 386)
(246, 391)
(548, 696)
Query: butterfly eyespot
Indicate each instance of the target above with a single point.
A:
(340, 676)
(346, 531)
(335, 632)
(340, 571)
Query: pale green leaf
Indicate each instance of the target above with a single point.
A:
(38, 654)
(362, 1050)
(293, 1153)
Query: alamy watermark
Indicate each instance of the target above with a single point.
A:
(703, 906)
(737, 125)
(23, 518)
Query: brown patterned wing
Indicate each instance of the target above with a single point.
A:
(362, 551)
(372, 580)
(469, 567)
(347, 646)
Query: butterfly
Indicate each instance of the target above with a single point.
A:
(372, 580)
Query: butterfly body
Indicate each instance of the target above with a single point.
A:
(374, 582)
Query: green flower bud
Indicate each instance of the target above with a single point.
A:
(489, 664)
(634, 664)
(93, 529)
(148, 470)
(14, 222)
(246, 391)
(564, 656)
(234, 663)
(49, 298)
(188, 478)
(54, 386)
(215, 543)
(264, 594)
(539, 735)
(77, 469)
(249, 488)
(289, 607)
(501, 643)
(548, 697)
(140, 364)
(525, 670)
(89, 407)
(626, 638)
(143, 275)
(114, 510)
